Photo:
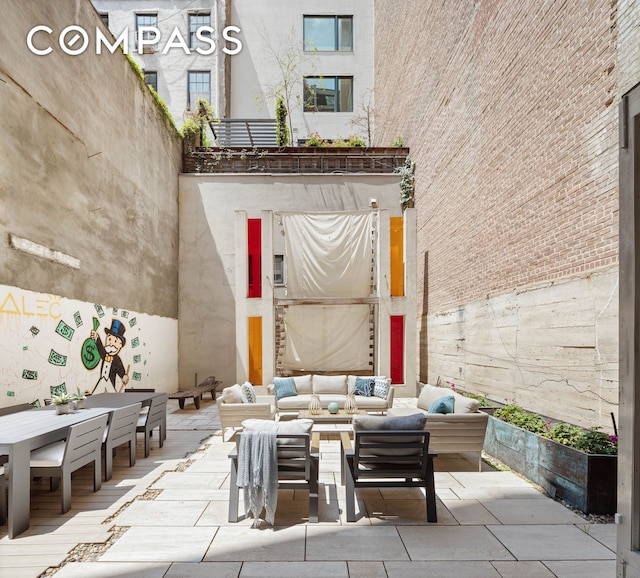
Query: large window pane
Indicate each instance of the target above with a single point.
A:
(328, 33)
(328, 94)
(196, 21)
(151, 78)
(199, 87)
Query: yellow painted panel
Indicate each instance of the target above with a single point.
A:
(397, 256)
(255, 350)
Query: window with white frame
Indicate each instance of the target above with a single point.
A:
(144, 20)
(199, 87)
(328, 33)
(328, 94)
(196, 21)
(279, 277)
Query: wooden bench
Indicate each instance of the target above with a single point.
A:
(208, 385)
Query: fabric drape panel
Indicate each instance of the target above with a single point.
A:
(328, 255)
(326, 337)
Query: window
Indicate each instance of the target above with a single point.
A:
(328, 33)
(146, 20)
(199, 87)
(105, 18)
(151, 79)
(278, 270)
(196, 21)
(328, 94)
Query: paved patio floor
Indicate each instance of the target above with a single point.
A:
(167, 517)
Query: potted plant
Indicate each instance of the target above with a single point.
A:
(571, 463)
(78, 399)
(62, 403)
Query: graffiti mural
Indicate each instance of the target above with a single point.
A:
(49, 343)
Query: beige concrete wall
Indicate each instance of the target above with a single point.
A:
(213, 306)
(89, 183)
(510, 112)
(89, 168)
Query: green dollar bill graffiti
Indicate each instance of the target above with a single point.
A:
(77, 318)
(65, 330)
(132, 321)
(11, 393)
(58, 389)
(135, 342)
(34, 330)
(125, 314)
(137, 358)
(99, 310)
(56, 358)
(89, 354)
(29, 374)
(136, 376)
(115, 311)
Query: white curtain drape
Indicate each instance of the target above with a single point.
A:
(329, 338)
(328, 255)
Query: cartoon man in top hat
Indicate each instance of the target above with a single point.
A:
(111, 363)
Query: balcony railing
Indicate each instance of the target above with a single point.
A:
(293, 159)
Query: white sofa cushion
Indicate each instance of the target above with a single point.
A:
(431, 393)
(232, 394)
(330, 384)
(464, 404)
(303, 383)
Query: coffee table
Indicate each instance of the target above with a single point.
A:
(327, 425)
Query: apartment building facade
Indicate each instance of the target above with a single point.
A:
(240, 55)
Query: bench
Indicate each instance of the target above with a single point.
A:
(208, 385)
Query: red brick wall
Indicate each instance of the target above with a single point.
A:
(510, 112)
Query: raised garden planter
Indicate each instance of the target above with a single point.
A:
(586, 481)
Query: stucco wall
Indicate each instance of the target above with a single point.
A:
(510, 113)
(211, 252)
(89, 174)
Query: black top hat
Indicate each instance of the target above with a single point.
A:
(117, 329)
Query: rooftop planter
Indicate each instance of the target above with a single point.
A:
(586, 481)
(294, 159)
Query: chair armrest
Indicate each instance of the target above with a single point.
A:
(390, 393)
(345, 441)
(266, 399)
(315, 442)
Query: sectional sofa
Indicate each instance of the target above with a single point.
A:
(294, 393)
(462, 430)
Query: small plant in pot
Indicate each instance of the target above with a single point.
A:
(78, 399)
(62, 403)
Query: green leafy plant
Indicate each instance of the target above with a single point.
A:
(197, 120)
(79, 395)
(356, 141)
(315, 140)
(282, 130)
(60, 399)
(591, 441)
(407, 182)
(398, 143)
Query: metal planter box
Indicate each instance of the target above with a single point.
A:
(586, 481)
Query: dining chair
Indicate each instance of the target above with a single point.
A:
(156, 417)
(15, 408)
(121, 429)
(3, 496)
(60, 459)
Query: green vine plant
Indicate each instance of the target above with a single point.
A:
(407, 182)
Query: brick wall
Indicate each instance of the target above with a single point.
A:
(510, 112)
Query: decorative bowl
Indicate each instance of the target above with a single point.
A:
(333, 407)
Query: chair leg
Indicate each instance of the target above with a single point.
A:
(162, 434)
(313, 492)
(430, 492)
(65, 490)
(108, 464)
(132, 452)
(350, 491)
(234, 491)
(147, 442)
(97, 473)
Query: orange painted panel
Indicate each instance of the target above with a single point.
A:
(255, 350)
(396, 239)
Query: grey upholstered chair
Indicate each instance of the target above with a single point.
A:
(60, 459)
(120, 430)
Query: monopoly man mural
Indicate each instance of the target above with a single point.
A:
(112, 365)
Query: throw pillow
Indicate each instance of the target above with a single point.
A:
(443, 405)
(414, 421)
(363, 386)
(284, 387)
(249, 392)
(380, 386)
(232, 394)
(466, 404)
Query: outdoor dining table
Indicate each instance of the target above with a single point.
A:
(24, 431)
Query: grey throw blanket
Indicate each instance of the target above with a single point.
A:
(258, 473)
